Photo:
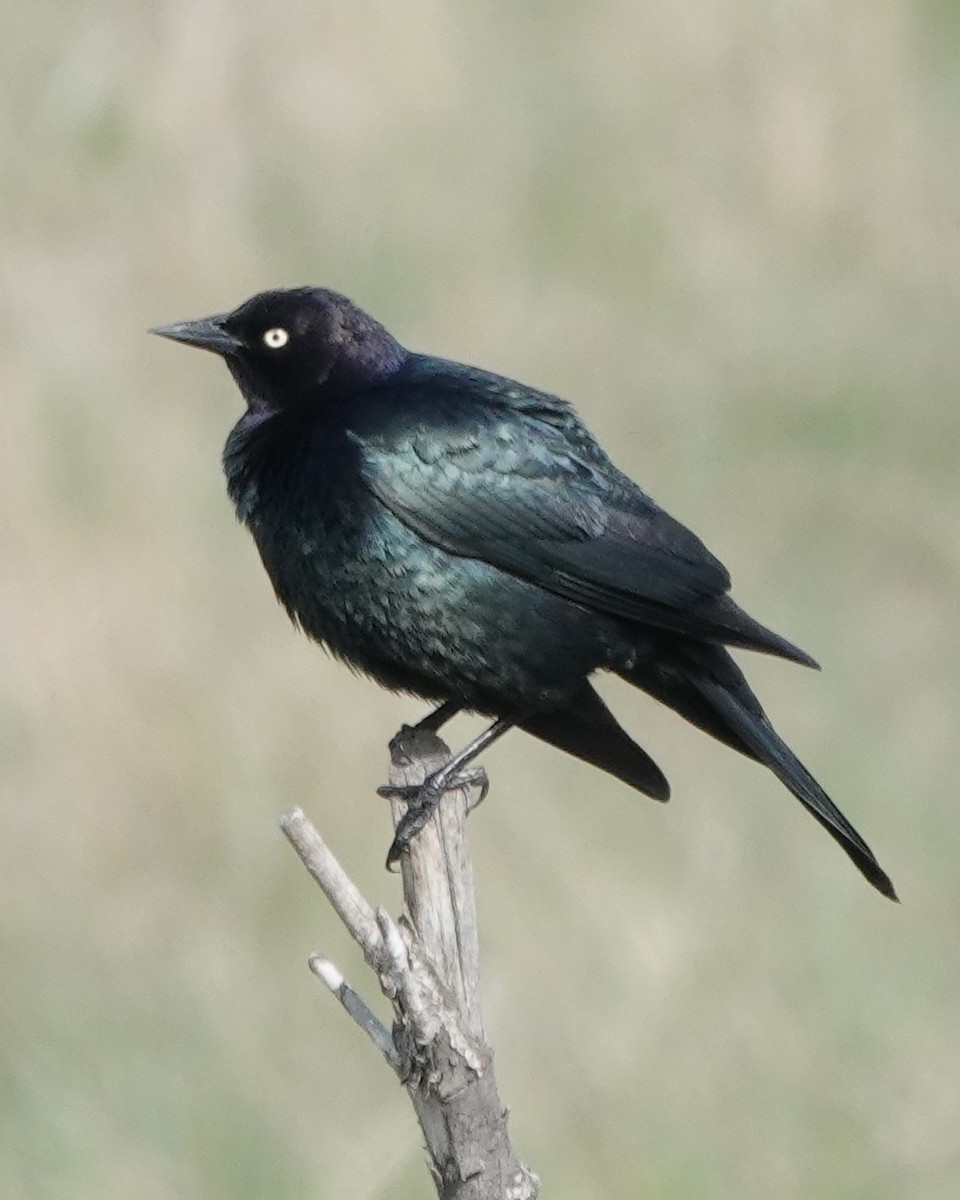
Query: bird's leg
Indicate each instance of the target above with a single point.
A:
(476, 776)
(434, 720)
(423, 798)
(439, 717)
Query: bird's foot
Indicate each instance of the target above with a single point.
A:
(422, 799)
(475, 778)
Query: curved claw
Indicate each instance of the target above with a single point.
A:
(478, 778)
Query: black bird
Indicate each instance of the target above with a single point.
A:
(463, 537)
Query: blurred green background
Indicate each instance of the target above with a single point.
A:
(728, 231)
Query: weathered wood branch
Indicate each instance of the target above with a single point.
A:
(427, 964)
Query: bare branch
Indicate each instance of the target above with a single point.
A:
(337, 886)
(438, 875)
(427, 965)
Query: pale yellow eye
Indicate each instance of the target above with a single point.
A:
(276, 339)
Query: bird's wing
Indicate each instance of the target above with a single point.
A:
(527, 490)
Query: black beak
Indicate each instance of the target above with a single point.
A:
(208, 333)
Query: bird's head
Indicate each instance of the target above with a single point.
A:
(289, 347)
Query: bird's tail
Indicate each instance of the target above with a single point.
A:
(705, 685)
(587, 730)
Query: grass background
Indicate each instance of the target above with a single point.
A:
(729, 232)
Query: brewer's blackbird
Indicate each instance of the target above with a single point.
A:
(463, 537)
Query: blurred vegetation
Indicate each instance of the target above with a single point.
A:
(729, 232)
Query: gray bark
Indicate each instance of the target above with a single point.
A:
(427, 965)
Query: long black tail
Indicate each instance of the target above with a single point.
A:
(704, 684)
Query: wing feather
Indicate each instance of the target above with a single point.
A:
(485, 469)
